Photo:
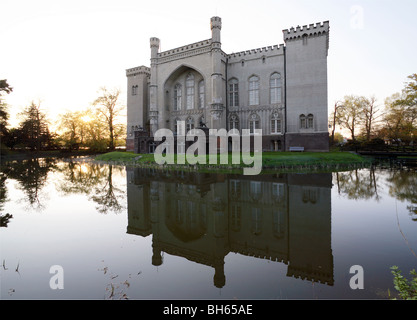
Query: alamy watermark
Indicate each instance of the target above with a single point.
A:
(357, 18)
(57, 280)
(218, 150)
(357, 281)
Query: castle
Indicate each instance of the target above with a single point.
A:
(281, 89)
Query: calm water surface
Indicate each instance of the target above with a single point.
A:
(120, 232)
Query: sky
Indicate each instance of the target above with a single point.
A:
(61, 52)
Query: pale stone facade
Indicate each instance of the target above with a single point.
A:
(281, 89)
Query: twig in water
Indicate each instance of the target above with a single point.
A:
(399, 227)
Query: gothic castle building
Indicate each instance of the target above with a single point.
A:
(281, 89)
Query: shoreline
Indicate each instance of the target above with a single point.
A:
(272, 162)
(284, 162)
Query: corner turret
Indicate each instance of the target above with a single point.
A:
(216, 26)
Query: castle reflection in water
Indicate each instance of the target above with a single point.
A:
(203, 217)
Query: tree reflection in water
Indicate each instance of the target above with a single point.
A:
(95, 181)
(364, 184)
(32, 176)
(70, 177)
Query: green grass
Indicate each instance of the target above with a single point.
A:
(295, 161)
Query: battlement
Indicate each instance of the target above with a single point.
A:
(154, 42)
(310, 30)
(184, 51)
(216, 22)
(257, 53)
(138, 70)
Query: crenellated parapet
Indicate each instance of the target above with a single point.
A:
(312, 30)
(138, 70)
(185, 51)
(256, 53)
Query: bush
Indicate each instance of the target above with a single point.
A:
(407, 288)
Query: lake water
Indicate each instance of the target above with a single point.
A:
(81, 230)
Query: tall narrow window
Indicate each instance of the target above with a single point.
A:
(254, 123)
(189, 91)
(177, 97)
(276, 125)
(256, 221)
(233, 93)
(234, 122)
(253, 91)
(190, 124)
(275, 88)
(179, 127)
(310, 121)
(201, 94)
(302, 121)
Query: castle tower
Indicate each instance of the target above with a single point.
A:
(218, 119)
(306, 80)
(137, 102)
(153, 86)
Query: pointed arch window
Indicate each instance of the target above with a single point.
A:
(189, 91)
(177, 97)
(275, 85)
(254, 91)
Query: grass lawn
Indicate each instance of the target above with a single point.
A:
(270, 160)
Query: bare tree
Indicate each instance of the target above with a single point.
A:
(350, 114)
(369, 115)
(335, 116)
(109, 108)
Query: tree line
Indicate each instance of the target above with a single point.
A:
(98, 128)
(393, 122)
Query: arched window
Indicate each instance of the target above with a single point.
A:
(189, 91)
(302, 121)
(276, 124)
(201, 94)
(310, 121)
(177, 97)
(233, 93)
(254, 123)
(234, 122)
(275, 88)
(253, 91)
(190, 124)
